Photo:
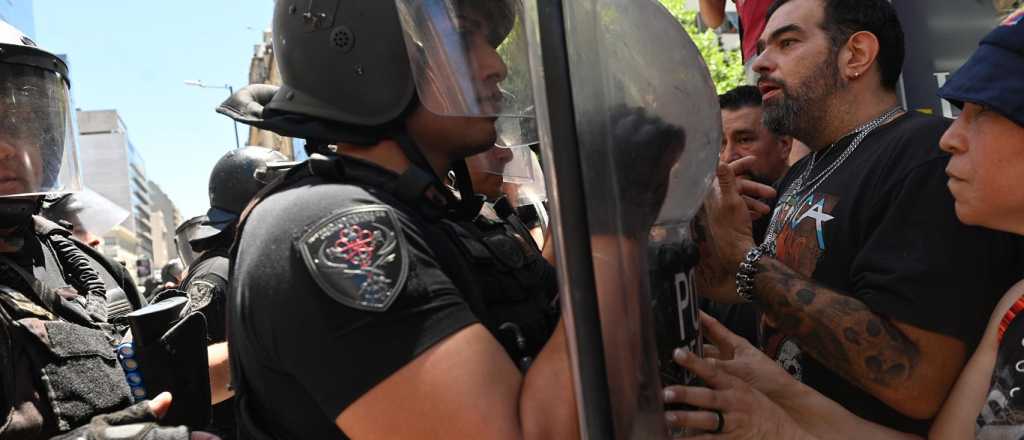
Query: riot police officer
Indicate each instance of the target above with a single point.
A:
(235, 179)
(362, 306)
(60, 377)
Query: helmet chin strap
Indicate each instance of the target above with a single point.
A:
(469, 205)
(16, 212)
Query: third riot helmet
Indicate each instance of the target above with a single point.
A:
(235, 179)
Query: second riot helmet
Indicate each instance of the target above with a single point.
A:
(234, 181)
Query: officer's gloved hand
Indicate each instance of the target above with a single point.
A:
(137, 422)
(246, 105)
(646, 148)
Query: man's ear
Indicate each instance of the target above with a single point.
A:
(785, 146)
(859, 56)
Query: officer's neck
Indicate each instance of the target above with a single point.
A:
(389, 154)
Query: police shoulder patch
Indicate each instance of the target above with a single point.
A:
(358, 256)
(200, 294)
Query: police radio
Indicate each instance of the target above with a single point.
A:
(168, 353)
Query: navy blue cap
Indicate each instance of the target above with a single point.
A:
(994, 75)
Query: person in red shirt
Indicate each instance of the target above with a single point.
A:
(752, 20)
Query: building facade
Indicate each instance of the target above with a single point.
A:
(165, 218)
(113, 167)
(263, 70)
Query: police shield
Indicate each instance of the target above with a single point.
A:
(630, 130)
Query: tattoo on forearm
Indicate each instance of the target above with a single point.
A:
(836, 329)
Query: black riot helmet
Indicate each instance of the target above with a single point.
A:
(364, 64)
(235, 179)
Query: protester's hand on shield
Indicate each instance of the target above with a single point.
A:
(735, 356)
(726, 230)
(728, 407)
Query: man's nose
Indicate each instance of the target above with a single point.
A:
(729, 154)
(491, 67)
(764, 64)
(502, 155)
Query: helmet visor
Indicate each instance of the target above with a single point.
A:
(37, 143)
(183, 235)
(469, 58)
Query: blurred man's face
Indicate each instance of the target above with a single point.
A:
(986, 168)
(21, 169)
(798, 70)
(745, 135)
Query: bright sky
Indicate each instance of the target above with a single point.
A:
(134, 56)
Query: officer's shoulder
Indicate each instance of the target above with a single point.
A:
(309, 201)
(354, 245)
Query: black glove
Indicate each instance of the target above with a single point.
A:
(137, 422)
(248, 106)
(644, 150)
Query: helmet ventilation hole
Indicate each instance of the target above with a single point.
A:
(343, 38)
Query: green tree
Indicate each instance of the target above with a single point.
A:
(726, 66)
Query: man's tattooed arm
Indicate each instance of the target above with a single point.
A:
(842, 333)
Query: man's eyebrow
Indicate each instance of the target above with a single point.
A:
(762, 42)
(742, 132)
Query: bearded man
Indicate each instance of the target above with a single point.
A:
(871, 291)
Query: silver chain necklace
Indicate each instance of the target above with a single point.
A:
(795, 192)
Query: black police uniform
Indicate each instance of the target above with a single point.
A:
(207, 287)
(346, 272)
(58, 298)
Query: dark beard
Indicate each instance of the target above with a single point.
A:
(802, 110)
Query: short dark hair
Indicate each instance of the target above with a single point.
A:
(843, 18)
(740, 97)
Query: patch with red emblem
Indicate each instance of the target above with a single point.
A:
(358, 256)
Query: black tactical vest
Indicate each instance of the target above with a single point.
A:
(495, 263)
(518, 287)
(57, 358)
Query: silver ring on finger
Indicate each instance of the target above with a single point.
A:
(721, 422)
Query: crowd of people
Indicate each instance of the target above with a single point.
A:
(859, 274)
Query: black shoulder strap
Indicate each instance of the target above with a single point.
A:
(119, 273)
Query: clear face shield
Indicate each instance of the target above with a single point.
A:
(469, 58)
(185, 233)
(88, 211)
(38, 155)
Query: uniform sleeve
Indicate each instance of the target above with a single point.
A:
(921, 266)
(340, 330)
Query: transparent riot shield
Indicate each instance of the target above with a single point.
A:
(630, 129)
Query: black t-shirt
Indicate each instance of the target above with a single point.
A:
(312, 341)
(207, 288)
(883, 229)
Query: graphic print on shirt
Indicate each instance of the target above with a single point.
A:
(1003, 414)
(799, 245)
